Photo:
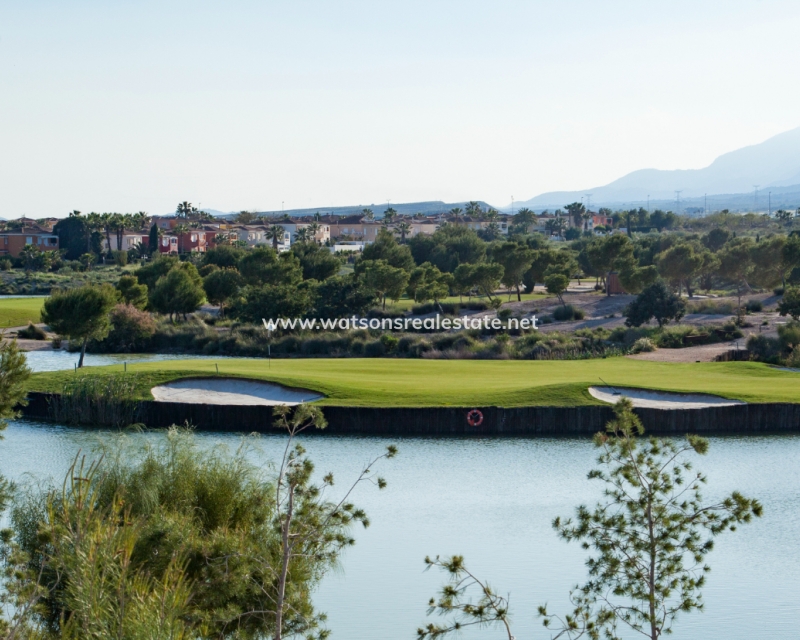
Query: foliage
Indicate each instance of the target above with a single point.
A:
(73, 235)
(131, 328)
(790, 303)
(556, 284)
(317, 262)
(32, 332)
(149, 274)
(384, 280)
(643, 345)
(490, 610)
(223, 256)
(387, 248)
(650, 535)
(426, 282)
(131, 292)
(516, 260)
(264, 266)
(658, 302)
(180, 291)
(221, 286)
(343, 297)
(273, 301)
(81, 313)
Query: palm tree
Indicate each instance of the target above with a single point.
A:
(222, 238)
(317, 216)
(181, 230)
(474, 209)
(403, 229)
(524, 217)
(275, 233)
(105, 221)
(302, 234)
(389, 215)
(368, 214)
(492, 215)
(313, 230)
(185, 210)
(141, 220)
(456, 212)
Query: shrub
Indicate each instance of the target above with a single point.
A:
(643, 345)
(763, 348)
(131, 330)
(32, 332)
(778, 291)
(658, 302)
(568, 312)
(5, 265)
(754, 306)
(793, 360)
(673, 338)
(374, 349)
(389, 342)
(120, 258)
(789, 335)
(712, 307)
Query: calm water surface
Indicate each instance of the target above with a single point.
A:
(492, 500)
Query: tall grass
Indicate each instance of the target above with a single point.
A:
(97, 400)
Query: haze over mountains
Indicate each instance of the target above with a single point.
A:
(772, 164)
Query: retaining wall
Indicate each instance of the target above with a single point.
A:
(448, 421)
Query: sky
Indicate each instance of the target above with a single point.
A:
(137, 105)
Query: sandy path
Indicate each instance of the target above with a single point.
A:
(660, 399)
(702, 353)
(231, 391)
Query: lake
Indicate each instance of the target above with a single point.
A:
(492, 500)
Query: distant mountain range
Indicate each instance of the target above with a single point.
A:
(403, 208)
(729, 182)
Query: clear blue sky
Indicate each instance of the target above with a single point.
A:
(127, 106)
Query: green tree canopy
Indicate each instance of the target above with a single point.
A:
(658, 302)
(221, 286)
(383, 279)
(318, 263)
(81, 313)
(131, 292)
(178, 292)
(388, 249)
(263, 265)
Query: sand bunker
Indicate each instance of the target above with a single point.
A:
(231, 391)
(660, 399)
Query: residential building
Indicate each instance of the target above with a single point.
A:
(14, 240)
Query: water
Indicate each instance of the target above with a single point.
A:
(492, 500)
(58, 360)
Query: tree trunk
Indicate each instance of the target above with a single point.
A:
(83, 352)
(286, 552)
(519, 296)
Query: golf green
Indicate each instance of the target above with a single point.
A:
(390, 382)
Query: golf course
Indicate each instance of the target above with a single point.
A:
(16, 312)
(457, 383)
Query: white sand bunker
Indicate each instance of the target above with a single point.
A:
(660, 399)
(231, 391)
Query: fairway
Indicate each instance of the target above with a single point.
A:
(427, 383)
(16, 312)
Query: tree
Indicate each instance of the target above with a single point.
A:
(383, 279)
(221, 286)
(524, 218)
(73, 235)
(343, 297)
(464, 279)
(516, 260)
(736, 265)
(650, 534)
(317, 262)
(246, 217)
(153, 238)
(275, 233)
(403, 229)
(547, 261)
(556, 284)
(487, 277)
(180, 291)
(80, 313)
(257, 303)
(389, 215)
(149, 274)
(658, 302)
(680, 264)
(186, 211)
(790, 255)
(769, 267)
(263, 265)
(386, 248)
(309, 525)
(715, 239)
(426, 282)
(790, 303)
(131, 292)
(181, 230)
(369, 214)
(490, 610)
(576, 212)
(223, 256)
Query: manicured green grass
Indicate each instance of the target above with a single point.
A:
(423, 383)
(15, 312)
(405, 304)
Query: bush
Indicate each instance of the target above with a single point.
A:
(568, 312)
(658, 302)
(778, 291)
(763, 348)
(674, 337)
(789, 335)
(754, 306)
(643, 345)
(5, 265)
(374, 349)
(712, 307)
(120, 258)
(32, 332)
(131, 330)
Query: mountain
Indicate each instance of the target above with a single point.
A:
(772, 163)
(404, 208)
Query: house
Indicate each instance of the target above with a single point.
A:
(353, 227)
(130, 239)
(14, 240)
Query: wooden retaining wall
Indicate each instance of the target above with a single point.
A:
(447, 421)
